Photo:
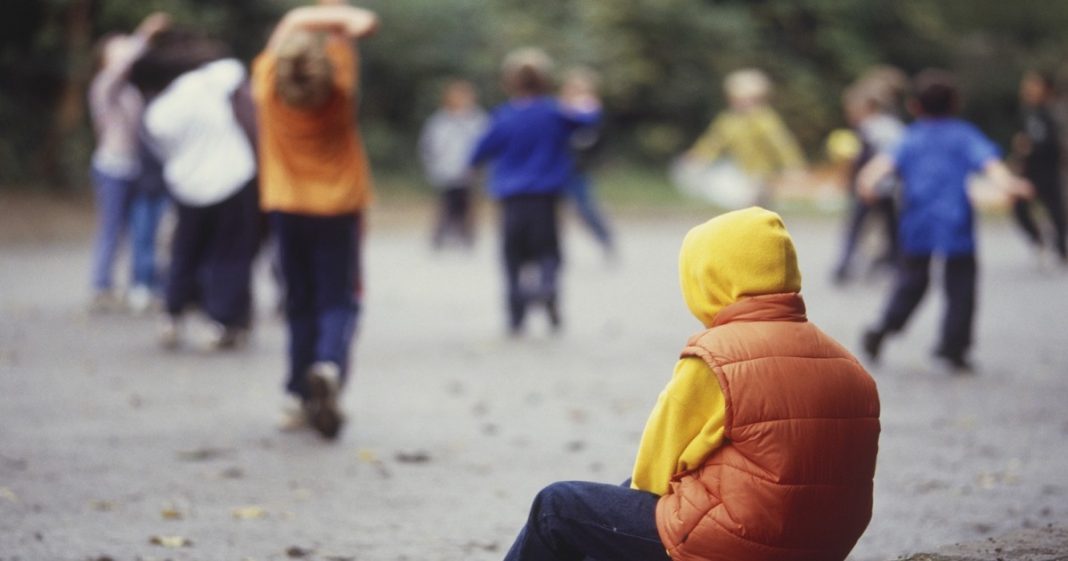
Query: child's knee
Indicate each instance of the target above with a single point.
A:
(552, 497)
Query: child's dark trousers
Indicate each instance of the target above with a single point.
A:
(577, 520)
(531, 241)
(319, 259)
(211, 258)
(959, 281)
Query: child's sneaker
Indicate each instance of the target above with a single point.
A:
(294, 418)
(871, 342)
(170, 333)
(320, 404)
(224, 337)
(139, 299)
(554, 314)
(954, 364)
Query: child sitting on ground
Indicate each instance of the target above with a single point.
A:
(762, 446)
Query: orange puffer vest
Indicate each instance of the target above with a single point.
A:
(793, 479)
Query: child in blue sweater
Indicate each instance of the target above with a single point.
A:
(527, 146)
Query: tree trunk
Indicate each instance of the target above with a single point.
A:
(69, 112)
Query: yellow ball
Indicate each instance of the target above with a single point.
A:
(843, 145)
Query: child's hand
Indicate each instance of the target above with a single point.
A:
(154, 24)
(1021, 145)
(1020, 188)
(584, 103)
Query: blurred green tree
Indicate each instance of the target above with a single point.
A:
(662, 62)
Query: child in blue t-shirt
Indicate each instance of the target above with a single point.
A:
(935, 158)
(528, 146)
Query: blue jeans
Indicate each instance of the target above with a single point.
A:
(319, 259)
(145, 213)
(577, 520)
(112, 197)
(580, 191)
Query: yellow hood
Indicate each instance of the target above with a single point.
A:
(742, 253)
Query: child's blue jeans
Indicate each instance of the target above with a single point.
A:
(319, 258)
(577, 520)
(112, 198)
(146, 210)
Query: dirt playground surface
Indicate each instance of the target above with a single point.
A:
(111, 448)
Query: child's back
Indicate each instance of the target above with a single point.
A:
(934, 161)
(529, 143)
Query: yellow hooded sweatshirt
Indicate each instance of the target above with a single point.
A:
(742, 253)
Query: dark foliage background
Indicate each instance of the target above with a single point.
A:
(661, 61)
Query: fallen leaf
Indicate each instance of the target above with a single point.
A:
(171, 513)
(171, 542)
(8, 495)
(202, 454)
(252, 512)
(367, 456)
(413, 457)
(489, 546)
(297, 552)
(578, 416)
(232, 473)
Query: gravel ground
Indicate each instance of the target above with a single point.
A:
(111, 448)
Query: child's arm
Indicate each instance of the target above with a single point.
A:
(350, 20)
(710, 144)
(581, 111)
(787, 150)
(871, 176)
(1008, 182)
(684, 428)
(152, 25)
(112, 77)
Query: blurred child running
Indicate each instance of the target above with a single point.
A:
(935, 158)
(116, 107)
(879, 131)
(750, 134)
(210, 168)
(315, 185)
(1037, 149)
(581, 82)
(445, 144)
(528, 146)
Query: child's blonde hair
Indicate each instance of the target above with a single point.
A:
(527, 71)
(582, 78)
(747, 84)
(305, 76)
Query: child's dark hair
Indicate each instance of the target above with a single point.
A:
(173, 53)
(1043, 77)
(936, 92)
(527, 71)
